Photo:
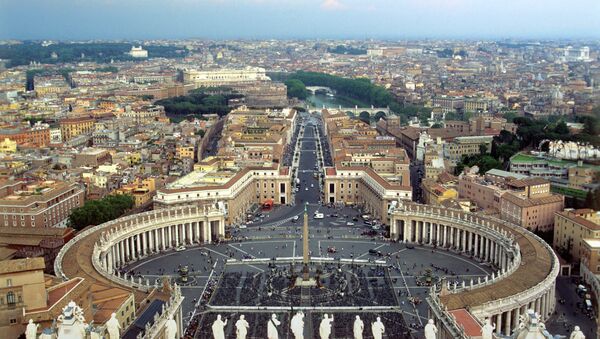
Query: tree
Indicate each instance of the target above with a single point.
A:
(296, 89)
(365, 117)
(437, 125)
(95, 212)
(592, 199)
(483, 149)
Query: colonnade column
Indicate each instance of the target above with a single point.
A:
(508, 323)
(190, 233)
(476, 245)
(127, 253)
(169, 237)
(197, 228)
(438, 231)
(138, 244)
(144, 243)
(121, 254)
(469, 241)
(445, 234)
(499, 323)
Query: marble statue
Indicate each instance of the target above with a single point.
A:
(488, 329)
(272, 327)
(71, 322)
(113, 328)
(430, 330)
(577, 334)
(217, 328)
(297, 325)
(171, 328)
(358, 328)
(31, 330)
(241, 328)
(378, 329)
(325, 327)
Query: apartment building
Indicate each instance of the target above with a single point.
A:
(572, 227)
(461, 146)
(36, 136)
(72, 127)
(237, 189)
(38, 204)
(527, 201)
(369, 170)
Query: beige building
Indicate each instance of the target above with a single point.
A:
(460, 146)
(38, 204)
(236, 188)
(571, 227)
(22, 286)
(526, 201)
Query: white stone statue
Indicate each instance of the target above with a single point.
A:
(171, 328)
(71, 323)
(430, 330)
(113, 328)
(297, 325)
(358, 328)
(488, 329)
(218, 328)
(31, 330)
(272, 327)
(378, 329)
(241, 328)
(577, 334)
(325, 327)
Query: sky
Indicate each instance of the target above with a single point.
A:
(290, 19)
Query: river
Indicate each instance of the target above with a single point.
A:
(318, 100)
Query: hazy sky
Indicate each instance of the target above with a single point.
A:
(398, 19)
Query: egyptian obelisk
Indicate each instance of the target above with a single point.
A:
(305, 251)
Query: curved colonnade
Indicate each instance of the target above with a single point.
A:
(525, 266)
(99, 252)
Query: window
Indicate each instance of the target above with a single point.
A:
(13, 321)
(10, 298)
(8, 282)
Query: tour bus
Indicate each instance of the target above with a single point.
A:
(319, 215)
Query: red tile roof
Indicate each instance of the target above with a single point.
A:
(468, 322)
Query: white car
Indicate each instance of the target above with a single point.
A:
(349, 223)
(306, 188)
(180, 248)
(243, 226)
(319, 216)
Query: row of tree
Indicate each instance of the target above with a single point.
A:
(96, 212)
(23, 54)
(198, 103)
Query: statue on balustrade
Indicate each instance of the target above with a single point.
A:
(577, 334)
(297, 325)
(31, 330)
(241, 328)
(325, 327)
(171, 328)
(487, 330)
(430, 330)
(113, 327)
(359, 326)
(272, 327)
(378, 329)
(218, 328)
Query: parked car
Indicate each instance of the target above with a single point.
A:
(180, 248)
(295, 218)
(349, 223)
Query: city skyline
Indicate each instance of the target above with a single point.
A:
(326, 19)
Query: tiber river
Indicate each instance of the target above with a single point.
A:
(318, 100)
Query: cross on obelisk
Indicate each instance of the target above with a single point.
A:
(305, 244)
